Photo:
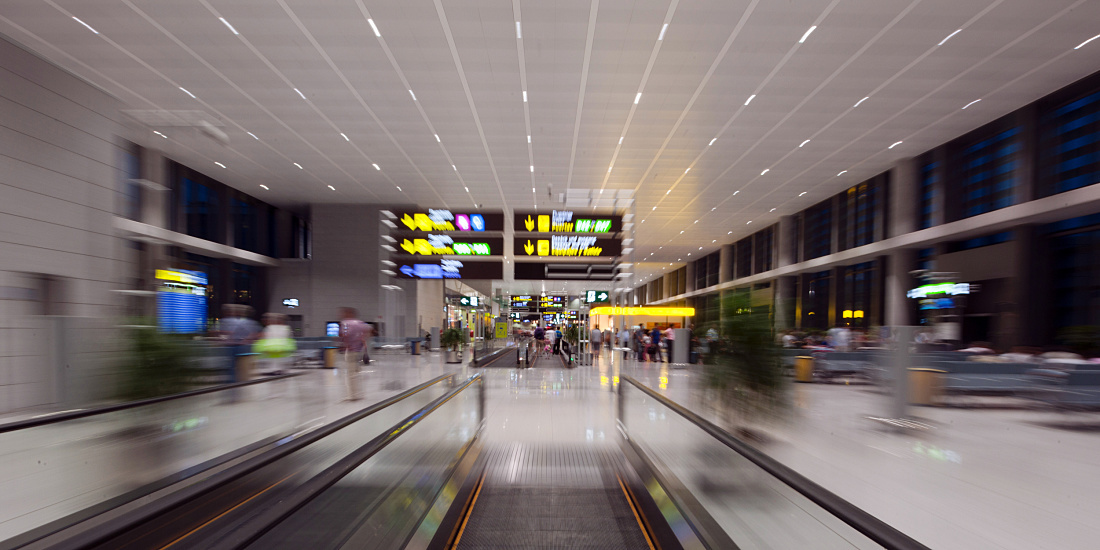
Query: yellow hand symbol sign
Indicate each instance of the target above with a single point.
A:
(529, 248)
(529, 223)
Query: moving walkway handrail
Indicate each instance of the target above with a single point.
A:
(285, 447)
(256, 527)
(94, 411)
(867, 524)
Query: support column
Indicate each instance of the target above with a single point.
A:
(784, 301)
(904, 190)
(725, 263)
(899, 310)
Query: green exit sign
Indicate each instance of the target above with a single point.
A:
(468, 301)
(596, 296)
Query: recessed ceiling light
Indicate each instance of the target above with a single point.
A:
(251, 134)
(184, 90)
(621, 140)
(803, 144)
(765, 171)
(807, 35)
(896, 143)
(528, 139)
(376, 167)
(714, 241)
(730, 233)
(532, 189)
(736, 192)
(345, 136)
(398, 187)
(696, 221)
(713, 209)
(265, 187)
(467, 189)
(77, 19)
(663, 29)
(669, 191)
(331, 187)
(654, 209)
(610, 167)
(299, 166)
(749, 100)
(688, 170)
(532, 168)
(700, 248)
(1077, 48)
(437, 140)
(228, 25)
(303, 96)
(689, 253)
(949, 37)
(681, 232)
(160, 134)
(748, 222)
(412, 94)
(772, 210)
(802, 193)
(637, 98)
(519, 30)
(841, 173)
(712, 142)
(971, 103)
(525, 96)
(455, 167)
(219, 164)
(861, 101)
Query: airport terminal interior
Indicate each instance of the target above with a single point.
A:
(482, 274)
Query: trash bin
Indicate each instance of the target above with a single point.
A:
(330, 355)
(925, 386)
(804, 369)
(246, 366)
(414, 347)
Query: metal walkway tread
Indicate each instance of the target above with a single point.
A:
(537, 496)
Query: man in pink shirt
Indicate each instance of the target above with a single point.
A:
(354, 338)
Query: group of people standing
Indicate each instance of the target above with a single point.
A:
(647, 345)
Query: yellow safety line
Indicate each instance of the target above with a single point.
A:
(469, 512)
(219, 516)
(637, 516)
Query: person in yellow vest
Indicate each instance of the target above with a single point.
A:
(275, 345)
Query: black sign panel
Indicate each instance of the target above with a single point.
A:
(416, 268)
(567, 246)
(524, 301)
(445, 221)
(566, 221)
(449, 245)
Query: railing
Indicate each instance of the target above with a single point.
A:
(405, 476)
(708, 473)
(85, 463)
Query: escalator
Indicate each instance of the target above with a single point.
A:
(670, 480)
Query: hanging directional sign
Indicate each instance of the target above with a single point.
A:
(468, 301)
(444, 220)
(565, 221)
(568, 245)
(444, 245)
(448, 269)
(596, 296)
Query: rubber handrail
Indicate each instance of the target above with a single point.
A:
(872, 527)
(257, 526)
(84, 413)
(284, 447)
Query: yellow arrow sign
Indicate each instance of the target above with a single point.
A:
(528, 248)
(530, 223)
(408, 221)
(409, 247)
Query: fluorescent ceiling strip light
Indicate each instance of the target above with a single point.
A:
(299, 166)
(455, 167)
(160, 134)
(77, 19)
(1077, 48)
(251, 134)
(532, 168)
(525, 96)
(188, 93)
(228, 25)
(437, 138)
(688, 170)
(303, 96)
(861, 101)
(765, 171)
(331, 187)
(376, 167)
(807, 35)
(219, 164)
(374, 28)
(971, 103)
(949, 37)
(749, 100)
(712, 142)
(637, 98)
(528, 139)
(621, 140)
(802, 193)
(841, 173)
(662, 35)
(519, 31)
(896, 143)
(343, 135)
(412, 94)
(803, 144)
(265, 187)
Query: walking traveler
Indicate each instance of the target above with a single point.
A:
(595, 338)
(354, 336)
